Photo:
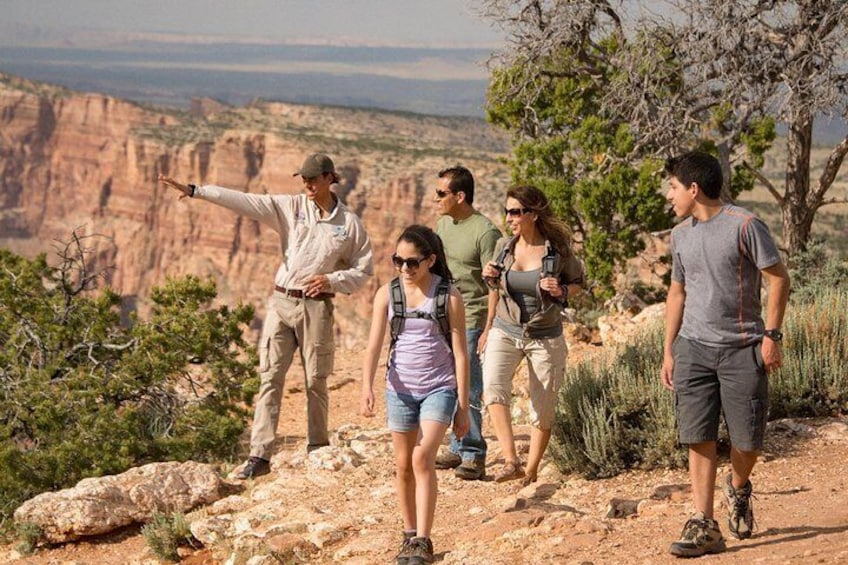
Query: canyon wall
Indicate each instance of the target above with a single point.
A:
(88, 162)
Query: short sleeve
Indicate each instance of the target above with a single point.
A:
(677, 272)
(488, 242)
(759, 244)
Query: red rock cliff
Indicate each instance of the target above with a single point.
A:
(89, 162)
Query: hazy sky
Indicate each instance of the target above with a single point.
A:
(434, 22)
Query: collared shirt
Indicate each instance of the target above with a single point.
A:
(335, 245)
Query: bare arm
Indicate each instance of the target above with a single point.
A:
(673, 320)
(778, 295)
(456, 315)
(492, 306)
(372, 350)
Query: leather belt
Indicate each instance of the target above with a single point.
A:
(297, 293)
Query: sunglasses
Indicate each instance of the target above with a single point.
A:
(411, 262)
(443, 193)
(515, 212)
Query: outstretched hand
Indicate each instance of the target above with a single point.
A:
(168, 181)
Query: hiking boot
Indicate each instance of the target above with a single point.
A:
(471, 470)
(740, 511)
(422, 551)
(448, 460)
(315, 446)
(700, 535)
(255, 467)
(405, 550)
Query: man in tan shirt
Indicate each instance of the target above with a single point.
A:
(325, 250)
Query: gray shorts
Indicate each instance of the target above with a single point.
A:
(710, 380)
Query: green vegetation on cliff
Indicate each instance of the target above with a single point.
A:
(81, 395)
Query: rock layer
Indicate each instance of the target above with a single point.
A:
(89, 162)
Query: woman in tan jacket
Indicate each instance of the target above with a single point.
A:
(534, 273)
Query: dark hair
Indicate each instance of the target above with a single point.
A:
(428, 243)
(698, 167)
(461, 180)
(555, 230)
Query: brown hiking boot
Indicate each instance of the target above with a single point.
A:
(448, 460)
(422, 551)
(471, 470)
(406, 548)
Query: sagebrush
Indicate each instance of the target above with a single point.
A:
(614, 414)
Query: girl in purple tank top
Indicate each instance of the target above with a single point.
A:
(426, 381)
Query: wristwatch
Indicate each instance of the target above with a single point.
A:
(193, 188)
(774, 335)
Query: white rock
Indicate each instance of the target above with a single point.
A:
(100, 505)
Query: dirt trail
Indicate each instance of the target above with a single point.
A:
(801, 505)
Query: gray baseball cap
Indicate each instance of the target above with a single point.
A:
(315, 165)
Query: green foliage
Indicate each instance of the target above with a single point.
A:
(586, 163)
(166, 533)
(615, 415)
(814, 270)
(82, 396)
(28, 535)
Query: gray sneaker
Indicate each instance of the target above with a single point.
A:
(740, 511)
(700, 535)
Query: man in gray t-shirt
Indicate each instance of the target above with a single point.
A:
(718, 350)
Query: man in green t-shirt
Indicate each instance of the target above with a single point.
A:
(469, 238)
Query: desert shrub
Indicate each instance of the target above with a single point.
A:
(813, 380)
(815, 269)
(28, 535)
(614, 414)
(165, 533)
(81, 395)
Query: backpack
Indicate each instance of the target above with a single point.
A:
(400, 314)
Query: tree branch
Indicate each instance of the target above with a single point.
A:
(833, 201)
(767, 183)
(834, 163)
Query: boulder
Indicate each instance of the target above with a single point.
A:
(100, 505)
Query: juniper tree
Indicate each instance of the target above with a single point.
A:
(672, 75)
(83, 395)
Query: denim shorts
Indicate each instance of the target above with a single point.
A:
(709, 381)
(405, 412)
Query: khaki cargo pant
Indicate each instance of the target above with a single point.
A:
(546, 369)
(291, 323)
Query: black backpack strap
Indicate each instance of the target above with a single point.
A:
(442, 294)
(550, 262)
(398, 308)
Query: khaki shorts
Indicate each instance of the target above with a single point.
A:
(546, 364)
